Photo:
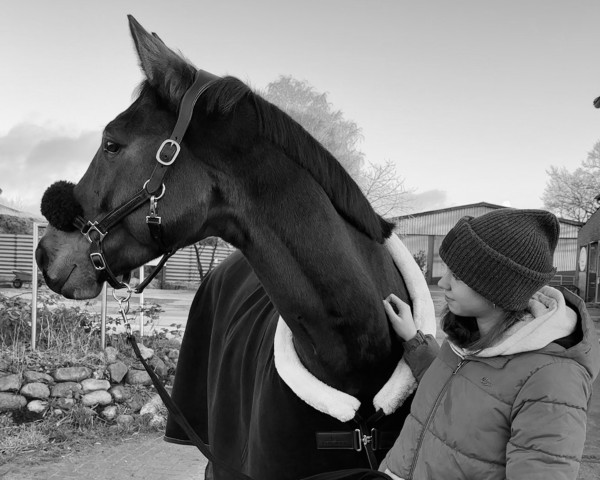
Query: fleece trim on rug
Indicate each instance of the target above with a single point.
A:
(401, 384)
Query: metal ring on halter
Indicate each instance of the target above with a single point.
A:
(124, 298)
(161, 193)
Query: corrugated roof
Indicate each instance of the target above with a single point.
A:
(451, 209)
(5, 210)
(439, 222)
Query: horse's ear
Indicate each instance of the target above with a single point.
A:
(165, 70)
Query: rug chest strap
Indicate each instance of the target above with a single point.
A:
(353, 440)
(369, 439)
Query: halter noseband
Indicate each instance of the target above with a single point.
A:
(64, 212)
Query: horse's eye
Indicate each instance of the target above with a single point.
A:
(111, 147)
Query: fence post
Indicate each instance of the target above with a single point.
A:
(103, 317)
(141, 304)
(34, 286)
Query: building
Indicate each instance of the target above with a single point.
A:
(424, 232)
(588, 259)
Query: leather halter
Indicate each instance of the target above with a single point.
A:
(153, 189)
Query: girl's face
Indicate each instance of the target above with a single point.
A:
(463, 300)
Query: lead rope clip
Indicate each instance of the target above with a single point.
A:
(124, 307)
(153, 218)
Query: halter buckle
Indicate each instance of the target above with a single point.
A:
(169, 157)
(98, 261)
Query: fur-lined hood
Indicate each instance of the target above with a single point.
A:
(552, 326)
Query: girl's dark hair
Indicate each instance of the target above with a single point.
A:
(463, 331)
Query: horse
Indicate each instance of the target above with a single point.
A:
(296, 312)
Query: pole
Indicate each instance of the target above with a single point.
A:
(34, 287)
(141, 304)
(103, 317)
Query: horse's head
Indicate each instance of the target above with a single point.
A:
(117, 177)
(245, 172)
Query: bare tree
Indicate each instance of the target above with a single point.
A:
(384, 188)
(311, 109)
(573, 194)
(209, 246)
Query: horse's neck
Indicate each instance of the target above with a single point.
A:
(328, 283)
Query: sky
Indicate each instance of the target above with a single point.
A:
(472, 100)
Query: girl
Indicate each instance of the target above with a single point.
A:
(506, 395)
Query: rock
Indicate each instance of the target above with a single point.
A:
(111, 353)
(71, 374)
(146, 352)
(31, 376)
(124, 420)
(65, 403)
(37, 406)
(66, 390)
(158, 421)
(9, 401)
(92, 384)
(35, 390)
(135, 404)
(117, 371)
(159, 366)
(152, 406)
(119, 393)
(138, 377)
(58, 412)
(10, 383)
(99, 397)
(110, 412)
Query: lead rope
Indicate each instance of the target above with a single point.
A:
(349, 474)
(123, 302)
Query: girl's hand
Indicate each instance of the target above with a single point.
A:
(402, 322)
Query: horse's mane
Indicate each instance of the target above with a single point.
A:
(279, 128)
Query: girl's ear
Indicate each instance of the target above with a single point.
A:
(168, 72)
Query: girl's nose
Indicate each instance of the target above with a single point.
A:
(444, 282)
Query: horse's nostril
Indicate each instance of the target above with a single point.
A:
(41, 258)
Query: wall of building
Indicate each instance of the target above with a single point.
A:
(587, 259)
(425, 232)
(16, 253)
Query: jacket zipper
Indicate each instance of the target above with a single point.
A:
(431, 413)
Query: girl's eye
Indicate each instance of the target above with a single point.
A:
(111, 147)
(455, 276)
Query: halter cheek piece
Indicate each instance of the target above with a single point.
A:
(63, 212)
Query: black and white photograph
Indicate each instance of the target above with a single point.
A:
(318, 240)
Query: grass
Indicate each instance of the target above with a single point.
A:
(48, 438)
(66, 336)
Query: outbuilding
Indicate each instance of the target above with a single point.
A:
(423, 233)
(588, 259)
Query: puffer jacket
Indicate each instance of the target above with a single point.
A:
(514, 411)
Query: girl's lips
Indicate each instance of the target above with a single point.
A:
(448, 299)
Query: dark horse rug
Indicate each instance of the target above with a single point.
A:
(229, 388)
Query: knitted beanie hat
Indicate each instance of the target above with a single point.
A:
(505, 255)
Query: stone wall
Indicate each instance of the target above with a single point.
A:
(108, 391)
